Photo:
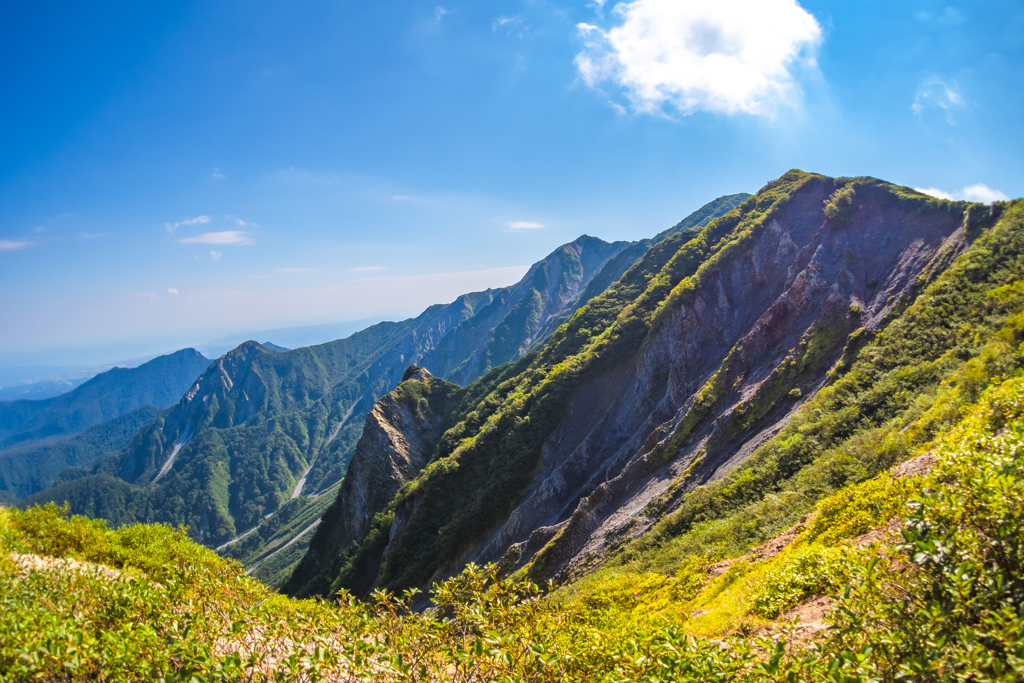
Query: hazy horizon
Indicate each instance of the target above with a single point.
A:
(174, 174)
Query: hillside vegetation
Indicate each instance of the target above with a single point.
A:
(40, 439)
(159, 382)
(691, 391)
(252, 454)
(940, 600)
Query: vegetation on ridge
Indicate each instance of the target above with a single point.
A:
(941, 601)
(906, 385)
(486, 460)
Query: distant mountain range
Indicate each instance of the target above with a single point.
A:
(112, 406)
(266, 433)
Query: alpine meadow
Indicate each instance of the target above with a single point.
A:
(779, 440)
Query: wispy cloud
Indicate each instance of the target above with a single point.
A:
(11, 245)
(939, 94)
(366, 269)
(524, 225)
(240, 222)
(171, 227)
(972, 193)
(439, 12)
(216, 175)
(39, 229)
(93, 235)
(727, 57)
(215, 256)
(235, 237)
(294, 270)
(511, 25)
(173, 291)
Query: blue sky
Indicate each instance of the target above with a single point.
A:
(171, 172)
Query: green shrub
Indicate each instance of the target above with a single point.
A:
(798, 574)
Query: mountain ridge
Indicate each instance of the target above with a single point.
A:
(710, 338)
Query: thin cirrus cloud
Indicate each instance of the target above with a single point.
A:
(232, 237)
(11, 245)
(935, 93)
(727, 57)
(294, 270)
(972, 193)
(171, 227)
(525, 225)
(215, 256)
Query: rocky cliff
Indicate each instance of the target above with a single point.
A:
(263, 427)
(670, 378)
(399, 437)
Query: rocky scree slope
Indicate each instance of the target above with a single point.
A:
(698, 354)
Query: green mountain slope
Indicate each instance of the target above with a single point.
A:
(260, 427)
(32, 466)
(160, 382)
(669, 380)
(931, 591)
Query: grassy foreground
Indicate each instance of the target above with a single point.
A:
(941, 600)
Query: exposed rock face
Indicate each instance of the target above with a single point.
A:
(399, 437)
(606, 462)
(730, 348)
(803, 278)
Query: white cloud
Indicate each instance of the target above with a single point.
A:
(225, 237)
(727, 56)
(510, 25)
(524, 225)
(972, 193)
(216, 175)
(939, 94)
(439, 12)
(171, 227)
(241, 223)
(295, 270)
(983, 193)
(215, 255)
(11, 245)
(935, 192)
(172, 290)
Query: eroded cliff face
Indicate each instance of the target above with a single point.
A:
(722, 372)
(729, 337)
(399, 436)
